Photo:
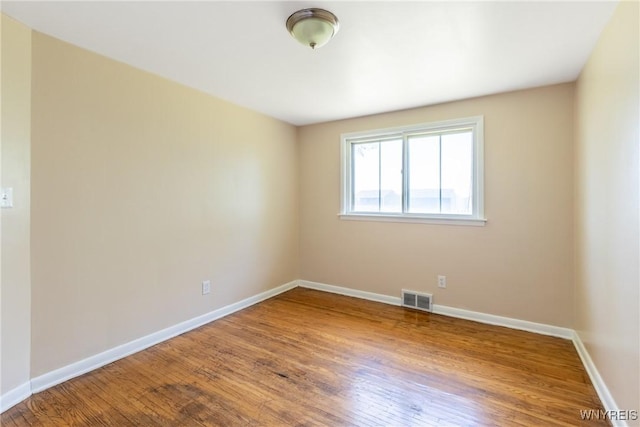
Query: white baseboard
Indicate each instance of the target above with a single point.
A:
(15, 396)
(538, 328)
(491, 319)
(386, 299)
(73, 370)
(598, 383)
(50, 379)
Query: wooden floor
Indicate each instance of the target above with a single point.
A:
(308, 358)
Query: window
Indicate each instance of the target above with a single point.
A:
(424, 173)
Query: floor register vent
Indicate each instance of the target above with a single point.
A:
(417, 300)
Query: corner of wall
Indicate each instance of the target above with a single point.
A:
(606, 217)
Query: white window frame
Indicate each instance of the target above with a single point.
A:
(476, 218)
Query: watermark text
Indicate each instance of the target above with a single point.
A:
(600, 414)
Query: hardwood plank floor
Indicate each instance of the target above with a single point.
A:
(309, 358)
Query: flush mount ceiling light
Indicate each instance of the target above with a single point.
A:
(313, 27)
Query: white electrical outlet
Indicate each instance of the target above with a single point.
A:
(206, 287)
(6, 197)
(442, 281)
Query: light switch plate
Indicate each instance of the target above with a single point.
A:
(6, 197)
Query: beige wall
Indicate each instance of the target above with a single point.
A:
(607, 221)
(141, 189)
(15, 288)
(519, 265)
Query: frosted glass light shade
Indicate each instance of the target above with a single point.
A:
(312, 27)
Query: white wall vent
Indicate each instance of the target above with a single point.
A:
(417, 300)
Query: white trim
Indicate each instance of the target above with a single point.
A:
(492, 319)
(73, 370)
(441, 125)
(413, 219)
(386, 299)
(598, 383)
(15, 396)
(478, 168)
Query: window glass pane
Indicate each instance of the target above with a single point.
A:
(424, 174)
(391, 176)
(457, 168)
(377, 176)
(366, 177)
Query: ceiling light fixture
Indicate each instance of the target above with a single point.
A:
(313, 27)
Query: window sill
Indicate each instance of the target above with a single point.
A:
(474, 222)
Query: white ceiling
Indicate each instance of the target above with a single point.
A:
(386, 56)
